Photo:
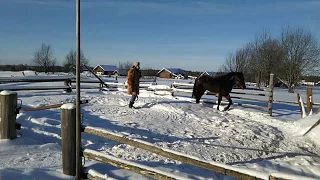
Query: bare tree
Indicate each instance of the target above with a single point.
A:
(302, 54)
(43, 57)
(70, 60)
(239, 61)
(125, 66)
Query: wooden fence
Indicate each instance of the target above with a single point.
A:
(8, 128)
(68, 121)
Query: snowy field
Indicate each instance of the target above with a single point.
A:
(242, 137)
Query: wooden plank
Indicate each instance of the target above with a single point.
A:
(292, 102)
(236, 97)
(249, 94)
(313, 126)
(161, 151)
(35, 79)
(94, 81)
(237, 104)
(51, 106)
(131, 166)
(102, 82)
(94, 175)
(191, 85)
(32, 88)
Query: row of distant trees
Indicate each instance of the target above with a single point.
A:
(290, 56)
(45, 61)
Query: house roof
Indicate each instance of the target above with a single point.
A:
(107, 67)
(210, 73)
(175, 71)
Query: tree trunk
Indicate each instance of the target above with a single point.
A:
(291, 88)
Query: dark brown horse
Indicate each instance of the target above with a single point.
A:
(221, 85)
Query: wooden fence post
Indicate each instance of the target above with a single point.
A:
(67, 82)
(301, 105)
(309, 100)
(8, 102)
(68, 138)
(270, 94)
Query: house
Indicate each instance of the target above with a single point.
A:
(106, 69)
(208, 73)
(171, 73)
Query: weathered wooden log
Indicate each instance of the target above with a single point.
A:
(165, 152)
(131, 166)
(51, 106)
(8, 100)
(68, 138)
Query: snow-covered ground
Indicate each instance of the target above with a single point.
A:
(242, 137)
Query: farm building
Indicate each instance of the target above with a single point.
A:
(106, 70)
(208, 73)
(171, 73)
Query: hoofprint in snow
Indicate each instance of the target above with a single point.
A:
(241, 137)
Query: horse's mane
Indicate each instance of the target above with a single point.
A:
(223, 76)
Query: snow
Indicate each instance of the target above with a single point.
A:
(68, 106)
(244, 139)
(7, 93)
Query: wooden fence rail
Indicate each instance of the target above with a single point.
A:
(212, 166)
(269, 93)
(68, 113)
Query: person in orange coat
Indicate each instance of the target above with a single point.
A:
(134, 75)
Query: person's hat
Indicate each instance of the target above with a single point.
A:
(136, 64)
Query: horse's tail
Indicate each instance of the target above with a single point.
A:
(195, 88)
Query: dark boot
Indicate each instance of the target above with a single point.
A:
(131, 104)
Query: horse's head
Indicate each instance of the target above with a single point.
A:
(239, 80)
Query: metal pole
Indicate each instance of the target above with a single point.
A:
(78, 110)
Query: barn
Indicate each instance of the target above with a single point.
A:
(106, 69)
(171, 73)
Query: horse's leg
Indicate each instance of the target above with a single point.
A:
(230, 102)
(199, 93)
(219, 101)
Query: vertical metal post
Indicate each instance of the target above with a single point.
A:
(78, 109)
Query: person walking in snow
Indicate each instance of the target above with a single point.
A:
(134, 75)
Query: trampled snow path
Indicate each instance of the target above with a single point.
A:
(236, 137)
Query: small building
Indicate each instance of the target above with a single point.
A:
(213, 74)
(106, 69)
(171, 73)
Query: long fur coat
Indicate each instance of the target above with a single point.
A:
(133, 81)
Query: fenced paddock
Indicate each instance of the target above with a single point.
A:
(69, 165)
(68, 115)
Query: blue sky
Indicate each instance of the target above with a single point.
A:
(192, 35)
